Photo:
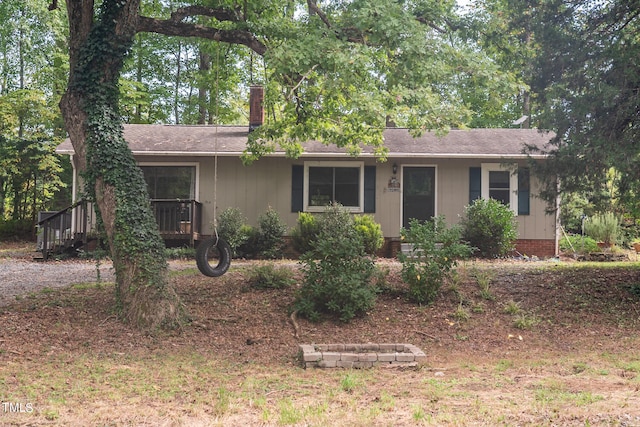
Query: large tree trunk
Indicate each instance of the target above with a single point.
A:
(203, 90)
(145, 296)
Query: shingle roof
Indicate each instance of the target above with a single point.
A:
(179, 140)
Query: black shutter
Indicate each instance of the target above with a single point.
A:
(524, 189)
(297, 188)
(475, 184)
(369, 189)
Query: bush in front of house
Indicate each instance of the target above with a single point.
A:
(307, 229)
(270, 276)
(435, 251)
(269, 238)
(490, 227)
(231, 228)
(370, 231)
(337, 273)
(265, 241)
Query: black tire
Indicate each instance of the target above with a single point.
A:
(209, 249)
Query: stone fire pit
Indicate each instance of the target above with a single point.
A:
(359, 355)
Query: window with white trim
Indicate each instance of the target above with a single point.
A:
(333, 182)
(499, 183)
(170, 181)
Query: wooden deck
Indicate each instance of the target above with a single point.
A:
(71, 229)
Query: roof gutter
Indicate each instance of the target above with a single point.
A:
(281, 154)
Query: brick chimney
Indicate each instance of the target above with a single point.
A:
(256, 109)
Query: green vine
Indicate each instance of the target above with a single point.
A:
(135, 238)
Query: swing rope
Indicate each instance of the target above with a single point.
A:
(222, 248)
(215, 155)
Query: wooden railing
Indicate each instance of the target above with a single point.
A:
(178, 219)
(71, 228)
(65, 230)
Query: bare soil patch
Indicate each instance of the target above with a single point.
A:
(576, 332)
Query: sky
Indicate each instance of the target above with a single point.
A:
(463, 3)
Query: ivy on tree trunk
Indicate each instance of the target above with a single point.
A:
(145, 296)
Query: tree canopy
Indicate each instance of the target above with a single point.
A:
(334, 71)
(30, 84)
(589, 90)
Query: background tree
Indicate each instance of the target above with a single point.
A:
(31, 81)
(591, 80)
(511, 32)
(334, 73)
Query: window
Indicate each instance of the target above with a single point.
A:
(497, 182)
(333, 182)
(499, 186)
(524, 190)
(170, 182)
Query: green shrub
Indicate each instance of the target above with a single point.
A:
(180, 253)
(307, 229)
(435, 252)
(574, 206)
(21, 229)
(269, 276)
(603, 228)
(232, 228)
(578, 243)
(270, 235)
(370, 231)
(305, 232)
(490, 227)
(338, 275)
(629, 231)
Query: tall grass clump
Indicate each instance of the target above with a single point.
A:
(604, 227)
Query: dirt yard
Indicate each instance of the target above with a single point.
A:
(544, 343)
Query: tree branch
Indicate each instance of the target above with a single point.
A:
(177, 28)
(221, 14)
(315, 10)
(429, 23)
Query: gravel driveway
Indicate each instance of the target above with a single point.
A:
(18, 277)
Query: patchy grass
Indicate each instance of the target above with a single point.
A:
(64, 354)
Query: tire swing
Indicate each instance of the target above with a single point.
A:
(214, 249)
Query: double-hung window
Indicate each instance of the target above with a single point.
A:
(333, 182)
(499, 186)
(499, 183)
